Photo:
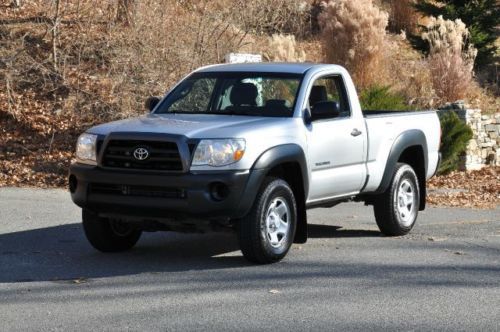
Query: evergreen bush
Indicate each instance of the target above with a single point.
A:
(455, 135)
(379, 97)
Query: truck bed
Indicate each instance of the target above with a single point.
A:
(384, 127)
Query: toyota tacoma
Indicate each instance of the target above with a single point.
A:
(249, 148)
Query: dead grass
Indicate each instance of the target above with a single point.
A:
(354, 35)
(283, 48)
(451, 58)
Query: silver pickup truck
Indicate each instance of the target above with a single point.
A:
(249, 148)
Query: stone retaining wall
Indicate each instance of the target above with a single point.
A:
(484, 147)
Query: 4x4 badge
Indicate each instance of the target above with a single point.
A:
(141, 153)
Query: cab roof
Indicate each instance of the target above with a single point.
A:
(265, 67)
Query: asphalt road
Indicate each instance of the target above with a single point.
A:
(444, 276)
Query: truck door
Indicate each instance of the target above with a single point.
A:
(336, 142)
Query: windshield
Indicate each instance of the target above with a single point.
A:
(236, 93)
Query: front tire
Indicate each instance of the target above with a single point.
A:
(266, 233)
(108, 235)
(396, 210)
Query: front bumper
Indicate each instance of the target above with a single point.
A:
(194, 201)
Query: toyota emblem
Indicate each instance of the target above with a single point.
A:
(141, 153)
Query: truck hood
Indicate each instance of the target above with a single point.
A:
(190, 125)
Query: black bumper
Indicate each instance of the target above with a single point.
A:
(194, 199)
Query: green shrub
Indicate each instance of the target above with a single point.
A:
(455, 135)
(380, 97)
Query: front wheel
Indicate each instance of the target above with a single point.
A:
(109, 235)
(396, 209)
(266, 233)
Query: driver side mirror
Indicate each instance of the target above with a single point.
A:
(151, 103)
(325, 110)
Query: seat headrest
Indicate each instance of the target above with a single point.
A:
(244, 94)
(318, 93)
(277, 107)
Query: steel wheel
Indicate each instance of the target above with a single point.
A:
(277, 222)
(406, 202)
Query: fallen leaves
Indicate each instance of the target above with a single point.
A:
(31, 158)
(476, 189)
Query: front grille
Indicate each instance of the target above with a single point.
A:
(136, 191)
(163, 156)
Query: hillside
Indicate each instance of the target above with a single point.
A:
(67, 65)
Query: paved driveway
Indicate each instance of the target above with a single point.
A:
(444, 276)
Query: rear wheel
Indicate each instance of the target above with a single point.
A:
(109, 235)
(396, 210)
(266, 233)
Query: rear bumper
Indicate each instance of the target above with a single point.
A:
(440, 157)
(194, 199)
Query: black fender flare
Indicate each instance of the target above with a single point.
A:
(269, 159)
(284, 154)
(407, 139)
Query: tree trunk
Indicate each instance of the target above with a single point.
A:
(54, 34)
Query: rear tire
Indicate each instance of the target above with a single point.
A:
(396, 210)
(267, 232)
(108, 235)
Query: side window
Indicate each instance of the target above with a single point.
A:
(330, 89)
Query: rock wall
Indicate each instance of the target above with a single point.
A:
(484, 147)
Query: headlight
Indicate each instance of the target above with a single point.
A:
(86, 149)
(218, 152)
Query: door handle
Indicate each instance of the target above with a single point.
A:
(355, 132)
